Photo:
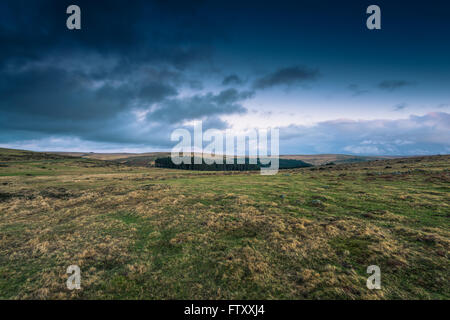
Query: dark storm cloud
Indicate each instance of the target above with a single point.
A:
(56, 94)
(231, 96)
(232, 79)
(133, 35)
(215, 123)
(391, 85)
(139, 31)
(153, 92)
(287, 77)
(93, 83)
(56, 103)
(198, 106)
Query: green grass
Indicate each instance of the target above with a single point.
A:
(149, 233)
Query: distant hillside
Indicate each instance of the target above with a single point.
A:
(148, 158)
(320, 159)
(24, 155)
(111, 156)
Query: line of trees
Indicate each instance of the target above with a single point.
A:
(166, 162)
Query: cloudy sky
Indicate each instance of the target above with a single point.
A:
(137, 70)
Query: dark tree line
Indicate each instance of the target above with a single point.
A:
(247, 166)
(167, 163)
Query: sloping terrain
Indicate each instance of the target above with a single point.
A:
(321, 159)
(113, 156)
(152, 233)
(145, 158)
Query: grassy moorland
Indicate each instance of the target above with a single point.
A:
(152, 233)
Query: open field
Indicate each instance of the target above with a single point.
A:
(152, 233)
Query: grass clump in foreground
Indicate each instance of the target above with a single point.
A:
(152, 233)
